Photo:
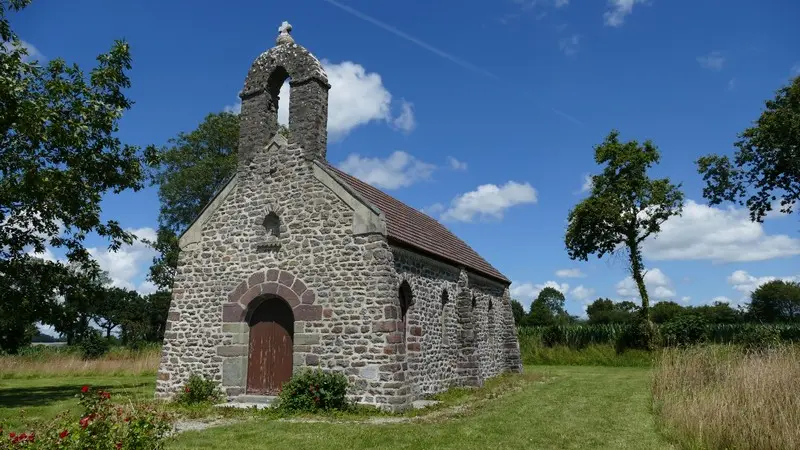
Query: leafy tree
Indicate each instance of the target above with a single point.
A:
(775, 301)
(145, 319)
(604, 310)
(766, 164)
(519, 313)
(112, 306)
(717, 312)
(624, 208)
(663, 312)
(59, 156)
(548, 308)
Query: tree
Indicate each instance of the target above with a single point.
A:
(766, 164)
(663, 312)
(59, 156)
(717, 312)
(548, 308)
(775, 301)
(112, 306)
(145, 319)
(604, 310)
(519, 313)
(624, 208)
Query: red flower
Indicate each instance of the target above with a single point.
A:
(105, 395)
(84, 422)
(32, 437)
(127, 419)
(85, 389)
(186, 389)
(63, 434)
(119, 445)
(12, 434)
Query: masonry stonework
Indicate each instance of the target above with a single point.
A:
(290, 229)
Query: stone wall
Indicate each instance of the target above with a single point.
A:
(450, 342)
(316, 255)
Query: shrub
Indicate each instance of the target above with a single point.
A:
(758, 338)
(688, 329)
(94, 345)
(314, 390)
(102, 426)
(198, 389)
(640, 335)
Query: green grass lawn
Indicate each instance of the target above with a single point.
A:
(44, 398)
(570, 407)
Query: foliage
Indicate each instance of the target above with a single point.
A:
(775, 301)
(519, 313)
(198, 389)
(93, 345)
(624, 208)
(766, 163)
(639, 335)
(102, 426)
(548, 308)
(59, 156)
(665, 311)
(604, 310)
(314, 390)
(755, 338)
(573, 336)
(145, 319)
(686, 329)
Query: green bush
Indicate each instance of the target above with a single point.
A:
(314, 390)
(688, 329)
(640, 335)
(757, 338)
(198, 389)
(94, 345)
(102, 426)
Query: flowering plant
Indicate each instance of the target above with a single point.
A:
(102, 426)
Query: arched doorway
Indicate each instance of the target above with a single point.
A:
(269, 363)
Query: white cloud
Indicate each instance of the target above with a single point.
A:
(582, 293)
(569, 45)
(703, 232)
(658, 286)
(456, 164)
(356, 98)
(526, 292)
(588, 183)
(796, 69)
(489, 201)
(620, 9)
(433, 209)
(127, 267)
(405, 121)
(33, 54)
(746, 283)
(685, 299)
(561, 3)
(712, 61)
(398, 170)
(731, 84)
(570, 273)
(722, 299)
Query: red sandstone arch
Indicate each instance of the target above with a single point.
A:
(272, 282)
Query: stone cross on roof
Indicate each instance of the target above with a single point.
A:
(284, 37)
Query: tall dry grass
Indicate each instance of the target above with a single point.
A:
(718, 397)
(120, 362)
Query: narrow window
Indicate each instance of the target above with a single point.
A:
(272, 223)
(405, 303)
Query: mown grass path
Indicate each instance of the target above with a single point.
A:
(573, 408)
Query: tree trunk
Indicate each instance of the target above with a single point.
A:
(636, 272)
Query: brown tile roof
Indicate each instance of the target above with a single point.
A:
(410, 227)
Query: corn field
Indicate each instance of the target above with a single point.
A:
(582, 335)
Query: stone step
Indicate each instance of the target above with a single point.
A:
(261, 399)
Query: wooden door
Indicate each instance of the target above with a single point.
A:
(270, 359)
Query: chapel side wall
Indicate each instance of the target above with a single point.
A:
(441, 351)
(350, 275)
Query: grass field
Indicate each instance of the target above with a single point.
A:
(548, 407)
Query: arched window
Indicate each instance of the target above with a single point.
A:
(445, 299)
(406, 300)
(272, 223)
(474, 301)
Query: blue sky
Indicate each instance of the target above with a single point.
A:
(482, 113)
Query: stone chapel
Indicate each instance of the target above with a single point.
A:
(297, 264)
